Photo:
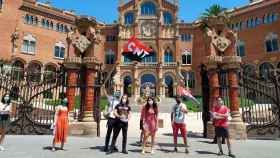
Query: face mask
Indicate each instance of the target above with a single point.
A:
(65, 102)
(150, 102)
(6, 99)
(123, 100)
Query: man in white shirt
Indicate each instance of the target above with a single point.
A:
(113, 101)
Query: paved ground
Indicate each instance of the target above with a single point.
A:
(80, 147)
(77, 147)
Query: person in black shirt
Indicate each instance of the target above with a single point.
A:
(122, 114)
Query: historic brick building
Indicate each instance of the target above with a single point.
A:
(33, 35)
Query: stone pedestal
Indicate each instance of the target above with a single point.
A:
(83, 129)
(210, 130)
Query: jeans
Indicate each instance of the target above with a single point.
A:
(110, 125)
(118, 127)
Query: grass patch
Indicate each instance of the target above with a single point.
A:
(193, 107)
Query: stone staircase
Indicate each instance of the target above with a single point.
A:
(165, 104)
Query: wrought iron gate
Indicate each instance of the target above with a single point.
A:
(259, 101)
(35, 96)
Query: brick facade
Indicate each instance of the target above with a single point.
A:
(114, 36)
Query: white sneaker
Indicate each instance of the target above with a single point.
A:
(152, 151)
(143, 152)
(2, 148)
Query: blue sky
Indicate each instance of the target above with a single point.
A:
(106, 10)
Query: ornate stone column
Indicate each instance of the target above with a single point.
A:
(237, 128)
(89, 91)
(212, 64)
(72, 65)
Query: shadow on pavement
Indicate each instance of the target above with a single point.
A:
(100, 148)
(170, 145)
(190, 135)
(135, 150)
(166, 150)
(50, 148)
(205, 152)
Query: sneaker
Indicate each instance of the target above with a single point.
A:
(187, 151)
(220, 153)
(152, 151)
(231, 155)
(143, 152)
(2, 148)
(53, 149)
(175, 150)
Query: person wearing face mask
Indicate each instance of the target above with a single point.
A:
(122, 114)
(5, 111)
(61, 124)
(149, 116)
(179, 110)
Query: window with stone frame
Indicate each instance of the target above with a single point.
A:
(148, 9)
(167, 17)
(186, 37)
(272, 43)
(187, 57)
(240, 48)
(168, 56)
(129, 18)
(266, 70)
(189, 79)
(111, 38)
(270, 18)
(29, 44)
(110, 57)
(59, 50)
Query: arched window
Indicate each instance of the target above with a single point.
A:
(59, 50)
(27, 19)
(249, 70)
(189, 78)
(187, 57)
(29, 44)
(18, 70)
(49, 74)
(110, 57)
(266, 70)
(129, 18)
(271, 42)
(148, 9)
(240, 48)
(167, 16)
(34, 72)
(168, 57)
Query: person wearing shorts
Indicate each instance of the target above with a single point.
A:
(220, 114)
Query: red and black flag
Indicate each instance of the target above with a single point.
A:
(135, 50)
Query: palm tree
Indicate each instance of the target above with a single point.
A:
(212, 11)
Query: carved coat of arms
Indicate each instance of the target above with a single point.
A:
(221, 43)
(81, 43)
